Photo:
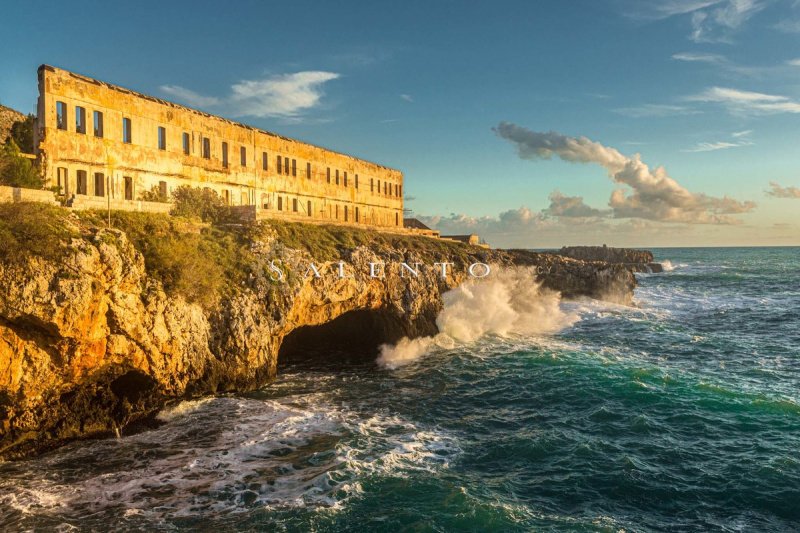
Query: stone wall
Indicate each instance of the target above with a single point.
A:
(18, 194)
(329, 185)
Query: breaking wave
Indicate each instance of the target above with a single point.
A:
(508, 303)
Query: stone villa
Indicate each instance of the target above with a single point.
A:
(104, 146)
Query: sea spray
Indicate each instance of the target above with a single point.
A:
(510, 302)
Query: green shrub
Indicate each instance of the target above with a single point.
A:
(202, 264)
(32, 228)
(18, 171)
(194, 202)
(155, 194)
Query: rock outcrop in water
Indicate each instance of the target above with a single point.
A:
(637, 260)
(94, 341)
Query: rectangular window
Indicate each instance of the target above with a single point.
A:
(396, 219)
(226, 196)
(345, 179)
(294, 205)
(286, 165)
(187, 146)
(61, 115)
(357, 214)
(337, 176)
(224, 155)
(99, 184)
(401, 191)
(98, 124)
(379, 186)
(280, 203)
(82, 185)
(372, 185)
(308, 170)
(128, 187)
(206, 148)
(80, 119)
(162, 138)
(126, 130)
(264, 160)
(62, 180)
(162, 189)
(329, 174)
(345, 213)
(309, 208)
(243, 156)
(294, 167)
(356, 181)
(280, 164)
(337, 212)
(385, 188)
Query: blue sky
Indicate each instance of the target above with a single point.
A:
(708, 89)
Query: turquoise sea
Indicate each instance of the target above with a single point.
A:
(681, 414)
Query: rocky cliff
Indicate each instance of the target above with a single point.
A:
(100, 328)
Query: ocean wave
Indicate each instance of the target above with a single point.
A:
(224, 455)
(510, 303)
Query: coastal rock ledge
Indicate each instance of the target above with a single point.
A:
(101, 328)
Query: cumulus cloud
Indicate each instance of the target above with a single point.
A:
(652, 193)
(287, 96)
(571, 206)
(747, 102)
(777, 191)
(511, 222)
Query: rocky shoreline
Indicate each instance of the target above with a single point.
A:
(93, 343)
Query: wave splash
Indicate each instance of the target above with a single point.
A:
(509, 303)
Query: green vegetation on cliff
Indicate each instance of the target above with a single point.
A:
(199, 261)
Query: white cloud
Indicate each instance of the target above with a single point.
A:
(699, 58)
(190, 97)
(652, 193)
(793, 62)
(711, 20)
(719, 23)
(406, 97)
(655, 111)
(744, 133)
(713, 146)
(747, 102)
(788, 26)
(287, 96)
(571, 206)
(777, 191)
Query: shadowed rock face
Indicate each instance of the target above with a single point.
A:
(91, 345)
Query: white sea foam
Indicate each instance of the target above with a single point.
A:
(229, 456)
(510, 302)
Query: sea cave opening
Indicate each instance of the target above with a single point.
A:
(354, 338)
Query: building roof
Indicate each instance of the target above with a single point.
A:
(415, 223)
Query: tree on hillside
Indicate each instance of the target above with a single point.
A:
(18, 171)
(22, 134)
(195, 202)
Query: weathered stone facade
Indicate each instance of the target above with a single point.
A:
(97, 140)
